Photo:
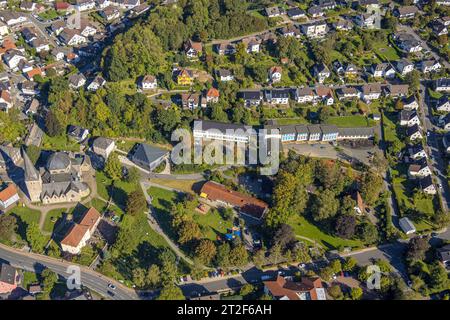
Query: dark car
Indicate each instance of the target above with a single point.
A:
(110, 293)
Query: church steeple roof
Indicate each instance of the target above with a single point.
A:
(31, 173)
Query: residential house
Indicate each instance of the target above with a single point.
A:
(77, 133)
(127, 4)
(306, 289)
(32, 107)
(140, 9)
(414, 133)
(225, 48)
(102, 4)
(27, 6)
(326, 4)
(76, 80)
(9, 278)
(9, 157)
(396, 90)
(5, 100)
(439, 29)
(148, 82)
(409, 118)
(12, 58)
(4, 30)
(290, 31)
(29, 88)
(225, 75)
(350, 70)
(314, 133)
(410, 103)
(80, 233)
(252, 44)
(212, 95)
(110, 13)
(443, 104)
(406, 42)
(84, 5)
(343, 25)
(296, 13)
(371, 91)
(444, 254)
(277, 96)
(407, 226)
(8, 197)
(103, 146)
(442, 84)
(365, 20)
(404, 66)
(190, 101)
(360, 206)
(315, 30)
(406, 12)
(383, 70)
(96, 84)
(355, 133)
(419, 169)
(57, 27)
(272, 12)
(304, 95)
(445, 122)
(72, 37)
(321, 72)
(245, 204)
(348, 93)
(417, 152)
(427, 186)
(446, 142)
(275, 74)
(324, 95)
(251, 97)
(12, 18)
(329, 132)
(193, 49)
(213, 130)
(148, 157)
(185, 77)
(316, 12)
(427, 66)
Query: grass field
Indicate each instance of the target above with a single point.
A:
(211, 224)
(182, 185)
(29, 278)
(303, 227)
(349, 121)
(59, 143)
(51, 219)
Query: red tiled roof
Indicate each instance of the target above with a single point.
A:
(213, 92)
(34, 72)
(249, 205)
(8, 192)
(281, 287)
(78, 231)
(5, 95)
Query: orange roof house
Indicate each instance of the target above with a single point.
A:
(81, 232)
(34, 72)
(247, 205)
(8, 196)
(306, 289)
(185, 77)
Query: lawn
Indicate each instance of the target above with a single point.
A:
(303, 227)
(119, 191)
(29, 278)
(59, 143)
(51, 219)
(48, 15)
(288, 121)
(182, 185)
(25, 214)
(211, 223)
(349, 121)
(385, 52)
(434, 94)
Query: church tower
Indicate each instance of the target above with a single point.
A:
(33, 180)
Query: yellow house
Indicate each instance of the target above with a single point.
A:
(185, 77)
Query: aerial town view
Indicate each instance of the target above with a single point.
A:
(226, 150)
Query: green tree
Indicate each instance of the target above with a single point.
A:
(169, 269)
(171, 292)
(367, 232)
(325, 205)
(48, 280)
(335, 292)
(438, 277)
(136, 202)
(246, 289)
(349, 264)
(356, 293)
(153, 277)
(188, 231)
(139, 277)
(35, 238)
(8, 225)
(113, 167)
(239, 256)
(205, 251)
(133, 175)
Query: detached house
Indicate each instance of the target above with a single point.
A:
(406, 12)
(296, 13)
(427, 186)
(414, 133)
(225, 48)
(409, 118)
(190, 101)
(417, 152)
(77, 133)
(252, 44)
(272, 12)
(382, 70)
(225, 75)
(8, 197)
(275, 74)
(12, 58)
(251, 97)
(371, 91)
(5, 100)
(406, 42)
(321, 72)
(420, 169)
(193, 49)
(84, 5)
(404, 66)
(72, 37)
(443, 104)
(277, 96)
(348, 93)
(9, 278)
(315, 30)
(96, 84)
(306, 289)
(185, 77)
(103, 146)
(365, 20)
(212, 95)
(410, 103)
(76, 80)
(442, 84)
(429, 66)
(148, 157)
(149, 82)
(304, 95)
(396, 90)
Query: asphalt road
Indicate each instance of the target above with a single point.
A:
(91, 279)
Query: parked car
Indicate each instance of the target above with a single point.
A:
(111, 286)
